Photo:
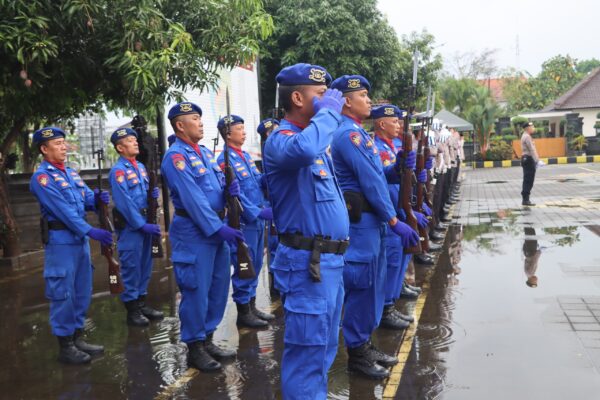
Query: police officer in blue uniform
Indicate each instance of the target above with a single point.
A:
(312, 222)
(129, 185)
(199, 237)
(64, 199)
(256, 211)
(265, 128)
(364, 183)
(386, 127)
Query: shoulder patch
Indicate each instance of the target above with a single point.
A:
(178, 161)
(43, 180)
(355, 138)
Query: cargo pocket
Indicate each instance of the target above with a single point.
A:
(358, 274)
(325, 189)
(306, 321)
(185, 271)
(56, 284)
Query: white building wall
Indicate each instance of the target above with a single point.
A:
(589, 120)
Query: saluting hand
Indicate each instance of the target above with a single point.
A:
(332, 99)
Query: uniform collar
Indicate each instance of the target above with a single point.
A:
(296, 124)
(357, 121)
(386, 141)
(193, 146)
(59, 166)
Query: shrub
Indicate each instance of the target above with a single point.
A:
(510, 137)
(499, 151)
(578, 143)
(507, 131)
(518, 121)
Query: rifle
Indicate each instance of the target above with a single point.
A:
(426, 150)
(244, 263)
(421, 190)
(407, 174)
(147, 156)
(115, 282)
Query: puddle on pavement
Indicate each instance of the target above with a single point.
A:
(495, 182)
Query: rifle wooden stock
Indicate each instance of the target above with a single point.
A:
(421, 192)
(406, 190)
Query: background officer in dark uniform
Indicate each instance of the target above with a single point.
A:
(256, 211)
(129, 183)
(199, 237)
(312, 221)
(64, 199)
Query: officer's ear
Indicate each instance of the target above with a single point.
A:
(43, 148)
(297, 98)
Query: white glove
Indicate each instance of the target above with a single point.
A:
(540, 163)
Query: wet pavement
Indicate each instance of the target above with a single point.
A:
(483, 332)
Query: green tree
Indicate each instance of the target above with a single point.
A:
(61, 58)
(482, 113)
(584, 67)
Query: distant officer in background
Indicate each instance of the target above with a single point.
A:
(529, 162)
(129, 185)
(64, 199)
(363, 180)
(256, 212)
(199, 237)
(312, 221)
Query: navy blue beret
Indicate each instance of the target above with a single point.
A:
(265, 125)
(231, 119)
(121, 133)
(401, 113)
(351, 83)
(303, 74)
(171, 139)
(184, 108)
(385, 111)
(47, 133)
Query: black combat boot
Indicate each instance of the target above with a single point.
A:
(436, 235)
(260, 314)
(361, 360)
(423, 259)
(149, 312)
(247, 318)
(414, 288)
(527, 202)
(390, 321)
(441, 227)
(199, 358)
(404, 317)
(434, 248)
(134, 314)
(382, 358)
(69, 354)
(216, 351)
(91, 349)
(406, 293)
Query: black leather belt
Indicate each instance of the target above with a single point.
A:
(182, 213)
(317, 245)
(57, 226)
(299, 242)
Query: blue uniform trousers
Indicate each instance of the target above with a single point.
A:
(202, 269)
(68, 275)
(395, 267)
(272, 242)
(312, 319)
(245, 289)
(135, 255)
(405, 261)
(365, 274)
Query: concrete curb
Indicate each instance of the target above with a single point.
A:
(548, 161)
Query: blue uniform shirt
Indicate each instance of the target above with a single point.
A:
(130, 191)
(249, 177)
(304, 191)
(196, 184)
(359, 168)
(64, 197)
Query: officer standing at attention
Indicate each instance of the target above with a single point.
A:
(312, 221)
(64, 199)
(363, 181)
(529, 161)
(254, 216)
(199, 238)
(129, 185)
(386, 127)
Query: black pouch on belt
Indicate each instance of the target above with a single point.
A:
(119, 221)
(354, 201)
(315, 259)
(44, 229)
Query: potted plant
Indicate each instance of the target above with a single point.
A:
(577, 144)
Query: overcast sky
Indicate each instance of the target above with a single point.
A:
(544, 28)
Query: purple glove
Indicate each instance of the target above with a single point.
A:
(155, 193)
(150, 229)
(230, 235)
(422, 178)
(234, 188)
(426, 210)
(266, 213)
(429, 163)
(102, 195)
(104, 237)
(422, 220)
(332, 99)
(411, 159)
(408, 235)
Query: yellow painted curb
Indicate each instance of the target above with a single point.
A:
(488, 164)
(507, 163)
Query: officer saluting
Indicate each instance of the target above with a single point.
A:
(64, 199)
(364, 182)
(129, 185)
(254, 216)
(312, 221)
(199, 238)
